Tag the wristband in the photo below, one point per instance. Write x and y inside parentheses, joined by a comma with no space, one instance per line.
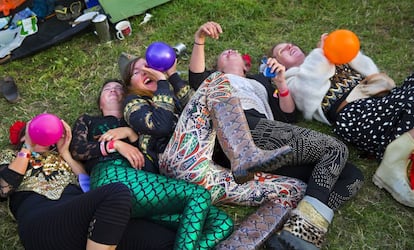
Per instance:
(196,43)
(284,93)
(111,147)
(23,155)
(103,149)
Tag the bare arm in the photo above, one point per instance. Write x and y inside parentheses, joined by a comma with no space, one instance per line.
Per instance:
(286,102)
(63,148)
(197,60)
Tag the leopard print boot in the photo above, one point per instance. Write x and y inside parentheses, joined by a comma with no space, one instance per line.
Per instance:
(305,230)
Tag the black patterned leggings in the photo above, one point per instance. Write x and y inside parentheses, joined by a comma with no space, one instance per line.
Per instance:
(320,159)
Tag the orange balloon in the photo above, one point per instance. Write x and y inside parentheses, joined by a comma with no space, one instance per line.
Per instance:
(341,46)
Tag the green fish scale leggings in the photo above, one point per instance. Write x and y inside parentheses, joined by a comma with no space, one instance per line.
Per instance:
(175,203)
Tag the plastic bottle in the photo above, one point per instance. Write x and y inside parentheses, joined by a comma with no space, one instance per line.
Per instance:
(267,71)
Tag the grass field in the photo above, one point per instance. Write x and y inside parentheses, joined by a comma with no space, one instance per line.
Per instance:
(65,79)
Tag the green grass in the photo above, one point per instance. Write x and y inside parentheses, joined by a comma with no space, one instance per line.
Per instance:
(65,79)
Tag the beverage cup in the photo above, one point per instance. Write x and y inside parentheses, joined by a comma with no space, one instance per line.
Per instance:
(123,29)
(179,49)
(102,28)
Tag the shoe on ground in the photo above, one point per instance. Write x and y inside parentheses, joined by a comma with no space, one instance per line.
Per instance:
(9,89)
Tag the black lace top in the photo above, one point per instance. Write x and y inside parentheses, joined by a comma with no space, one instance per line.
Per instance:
(85,146)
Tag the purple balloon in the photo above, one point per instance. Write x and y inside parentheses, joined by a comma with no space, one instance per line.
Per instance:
(45,129)
(160,56)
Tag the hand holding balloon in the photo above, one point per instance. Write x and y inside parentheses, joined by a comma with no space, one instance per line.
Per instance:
(64,142)
(341,46)
(160,56)
(45,129)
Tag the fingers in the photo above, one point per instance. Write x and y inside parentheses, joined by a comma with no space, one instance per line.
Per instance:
(322,40)
(136,160)
(154,74)
(108,136)
(365,81)
(212,29)
(68,131)
(275,65)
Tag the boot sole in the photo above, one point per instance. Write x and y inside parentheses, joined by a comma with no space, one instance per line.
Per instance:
(282,159)
(382,185)
(242,176)
(291,242)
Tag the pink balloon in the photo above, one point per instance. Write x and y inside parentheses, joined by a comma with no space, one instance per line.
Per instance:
(45,129)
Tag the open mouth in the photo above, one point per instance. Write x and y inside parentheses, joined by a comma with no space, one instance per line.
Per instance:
(147,81)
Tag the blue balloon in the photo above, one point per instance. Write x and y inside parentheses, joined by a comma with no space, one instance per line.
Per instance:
(160,56)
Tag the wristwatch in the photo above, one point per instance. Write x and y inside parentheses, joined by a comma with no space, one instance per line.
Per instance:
(23,155)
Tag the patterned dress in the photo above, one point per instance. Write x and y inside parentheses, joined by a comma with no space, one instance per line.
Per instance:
(372,123)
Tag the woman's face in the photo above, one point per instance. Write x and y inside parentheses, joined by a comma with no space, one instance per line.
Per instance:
(230,58)
(140,80)
(288,54)
(111,93)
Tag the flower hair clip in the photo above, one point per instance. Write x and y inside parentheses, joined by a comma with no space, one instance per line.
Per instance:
(247,59)
(15,130)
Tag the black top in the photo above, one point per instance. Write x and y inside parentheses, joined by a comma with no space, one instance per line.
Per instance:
(85,146)
(154,118)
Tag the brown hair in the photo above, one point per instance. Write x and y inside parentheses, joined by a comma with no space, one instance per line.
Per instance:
(270,52)
(128,74)
(103,86)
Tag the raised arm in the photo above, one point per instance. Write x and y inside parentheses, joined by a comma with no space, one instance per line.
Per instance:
(197,61)
(286,103)
(63,148)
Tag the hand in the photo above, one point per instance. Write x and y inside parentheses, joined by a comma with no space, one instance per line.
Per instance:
(321,42)
(131,153)
(279,80)
(154,74)
(211,29)
(375,84)
(118,134)
(27,139)
(172,70)
(64,142)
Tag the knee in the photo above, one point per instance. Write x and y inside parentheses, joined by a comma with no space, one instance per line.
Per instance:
(119,192)
(340,147)
(203,194)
